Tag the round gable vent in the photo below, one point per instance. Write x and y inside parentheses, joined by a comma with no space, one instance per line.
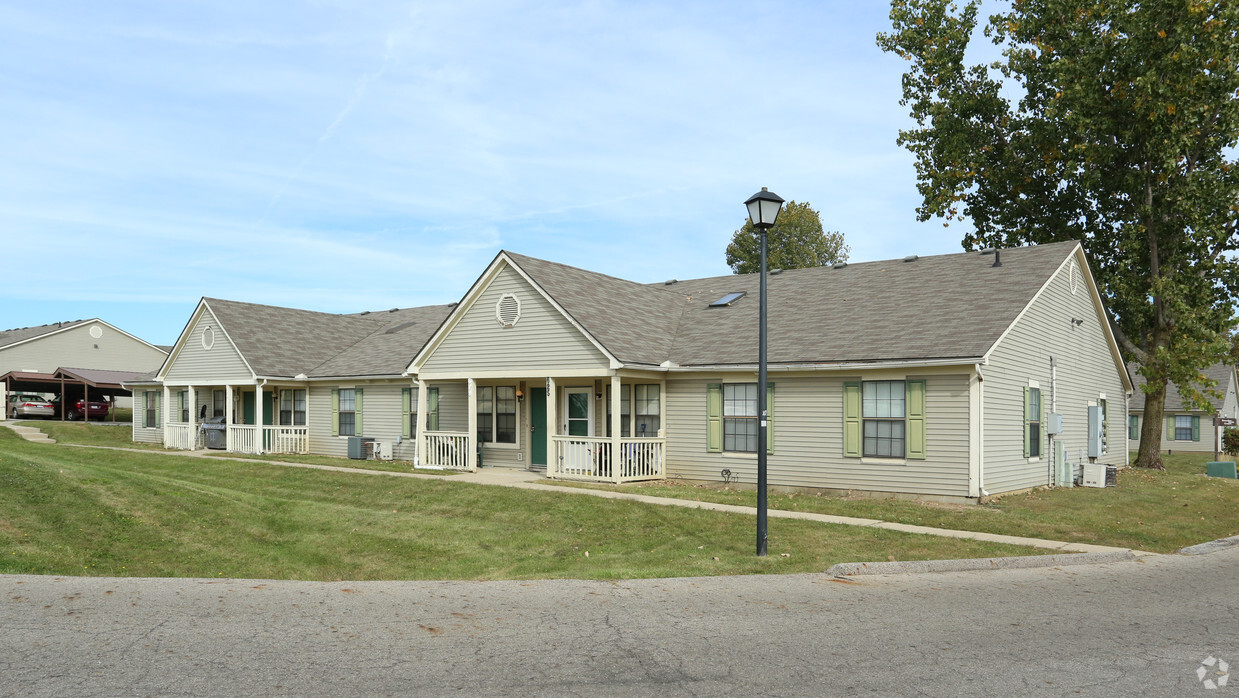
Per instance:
(508,310)
(96,331)
(208,337)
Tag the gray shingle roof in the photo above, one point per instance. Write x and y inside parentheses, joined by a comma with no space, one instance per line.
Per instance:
(1174,402)
(22,334)
(940,307)
(288,342)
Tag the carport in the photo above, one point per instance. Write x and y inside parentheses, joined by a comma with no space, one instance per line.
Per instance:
(71,385)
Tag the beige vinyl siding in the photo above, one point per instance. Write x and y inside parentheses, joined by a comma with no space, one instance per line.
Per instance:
(542,340)
(75,348)
(808,435)
(197,365)
(1086,369)
(143,434)
(382,411)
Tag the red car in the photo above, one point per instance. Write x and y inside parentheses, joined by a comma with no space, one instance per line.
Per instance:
(98,409)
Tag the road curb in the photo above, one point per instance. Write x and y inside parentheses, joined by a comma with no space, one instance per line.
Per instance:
(849,569)
(1210,547)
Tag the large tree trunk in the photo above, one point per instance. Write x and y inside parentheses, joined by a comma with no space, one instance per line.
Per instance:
(1150,455)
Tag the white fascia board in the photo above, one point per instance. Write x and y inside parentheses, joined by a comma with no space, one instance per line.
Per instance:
(479,287)
(839,366)
(514,374)
(457,313)
(352,379)
(180,341)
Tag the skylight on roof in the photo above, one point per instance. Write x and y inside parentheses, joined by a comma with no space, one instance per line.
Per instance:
(728,299)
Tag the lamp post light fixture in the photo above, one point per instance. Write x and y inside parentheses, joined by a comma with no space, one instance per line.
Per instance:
(764,207)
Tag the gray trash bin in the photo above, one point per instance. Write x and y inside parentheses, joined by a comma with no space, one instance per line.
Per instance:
(215,433)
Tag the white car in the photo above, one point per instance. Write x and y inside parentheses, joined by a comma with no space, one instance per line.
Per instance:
(27,405)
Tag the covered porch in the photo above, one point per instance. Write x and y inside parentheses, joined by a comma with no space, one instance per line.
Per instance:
(257,418)
(589,428)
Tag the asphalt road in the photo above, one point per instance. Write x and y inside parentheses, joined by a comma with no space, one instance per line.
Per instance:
(1129,628)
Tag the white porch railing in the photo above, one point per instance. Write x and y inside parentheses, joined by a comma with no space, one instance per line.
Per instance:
(591,458)
(244,438)
(447,449)
(285,439)
(180,435)
(580,458)
(642,459)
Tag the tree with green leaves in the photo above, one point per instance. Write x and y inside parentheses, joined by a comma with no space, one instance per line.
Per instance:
(797,240)
(1111,122)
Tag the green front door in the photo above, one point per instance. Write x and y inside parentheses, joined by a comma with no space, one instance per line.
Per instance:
(538,434)
(268,408)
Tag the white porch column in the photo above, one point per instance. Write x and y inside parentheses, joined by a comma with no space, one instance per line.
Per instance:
(258,421)
(423,404)
(472,455)
(228,418)
(165,408)
(552,428)
(616,452)
(662,409)
(192,397)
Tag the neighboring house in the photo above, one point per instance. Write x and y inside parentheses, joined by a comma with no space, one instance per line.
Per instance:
(931,375)
(32,357)
(1186,429)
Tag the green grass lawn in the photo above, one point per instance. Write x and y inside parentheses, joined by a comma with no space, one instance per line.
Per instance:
(1151,511)
(99,512)
(89,434)
(395,466)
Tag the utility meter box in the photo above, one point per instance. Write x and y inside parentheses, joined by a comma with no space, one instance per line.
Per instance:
(1054,423)
(1094,431)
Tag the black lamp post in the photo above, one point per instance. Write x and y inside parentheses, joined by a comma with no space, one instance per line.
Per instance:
(764,207)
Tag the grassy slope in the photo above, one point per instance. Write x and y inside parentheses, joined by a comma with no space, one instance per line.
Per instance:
(1153,511)
(99,512)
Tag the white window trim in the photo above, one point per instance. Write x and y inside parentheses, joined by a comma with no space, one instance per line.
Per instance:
(494,427)
(877,460)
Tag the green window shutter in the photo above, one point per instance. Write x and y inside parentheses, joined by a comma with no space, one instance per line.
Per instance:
(1195,427)
(714,418)
(769,417)
(142,397)
(1027,428)
(851,420)
(432,406)
(357,429)
(158,408)
(1169,435)
(335,411)
(916,419)
(405,395)
(1133,427)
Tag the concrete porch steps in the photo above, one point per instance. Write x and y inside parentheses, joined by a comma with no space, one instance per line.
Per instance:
(30,433)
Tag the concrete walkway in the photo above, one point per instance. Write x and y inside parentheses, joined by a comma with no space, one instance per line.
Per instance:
(527,480)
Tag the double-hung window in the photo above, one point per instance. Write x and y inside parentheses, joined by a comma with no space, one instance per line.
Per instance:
(740,417)
(292,407)
(152,408)
(1183,427)
(182,399)
(217,407)
(625,411)
(883,413)
(1032,423)
(649,413)
(497,414)
(348,411)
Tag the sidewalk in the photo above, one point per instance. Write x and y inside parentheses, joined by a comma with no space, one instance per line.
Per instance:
(527,480)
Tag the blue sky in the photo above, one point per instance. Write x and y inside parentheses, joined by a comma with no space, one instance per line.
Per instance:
(344,156)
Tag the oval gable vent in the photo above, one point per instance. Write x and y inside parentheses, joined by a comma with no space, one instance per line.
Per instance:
(508,310)
(208,338)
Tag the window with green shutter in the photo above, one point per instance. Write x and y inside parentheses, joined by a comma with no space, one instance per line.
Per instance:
(408,408)
(1032,422)
(885,419)
(732,421)
(432,409)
